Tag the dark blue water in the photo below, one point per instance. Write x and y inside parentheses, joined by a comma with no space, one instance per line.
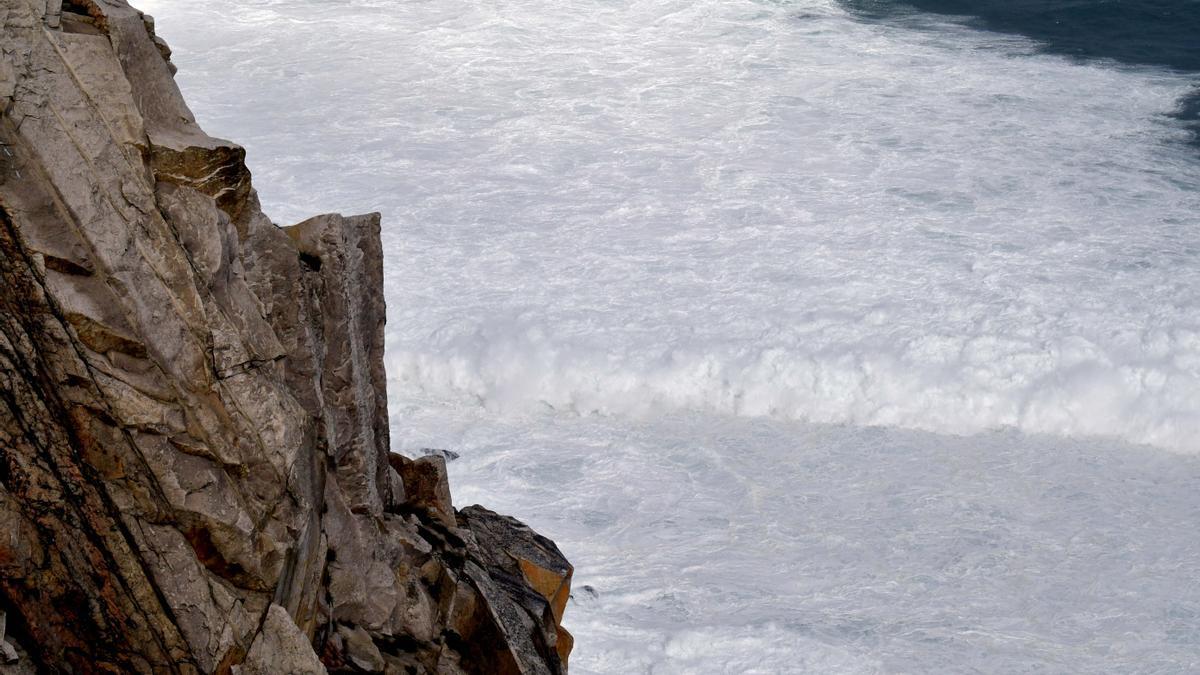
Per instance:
(1164,33)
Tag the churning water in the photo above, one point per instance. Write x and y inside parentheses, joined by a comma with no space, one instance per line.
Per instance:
(822,337)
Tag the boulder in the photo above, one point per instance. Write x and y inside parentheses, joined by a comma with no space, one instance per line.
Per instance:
(426,485)
(518,560)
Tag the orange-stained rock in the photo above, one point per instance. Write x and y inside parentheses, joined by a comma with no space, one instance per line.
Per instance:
(510,550)
(552,584)
(566,642)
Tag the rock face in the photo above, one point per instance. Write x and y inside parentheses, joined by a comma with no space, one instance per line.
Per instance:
(194,465)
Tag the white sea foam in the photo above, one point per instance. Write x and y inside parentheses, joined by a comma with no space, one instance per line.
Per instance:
(640,252)
(721,545)
(741,208)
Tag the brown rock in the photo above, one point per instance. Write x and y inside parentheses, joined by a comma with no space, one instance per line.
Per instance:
(426,485)
(194,466)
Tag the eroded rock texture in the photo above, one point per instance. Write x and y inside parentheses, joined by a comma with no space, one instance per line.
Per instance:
(194,464)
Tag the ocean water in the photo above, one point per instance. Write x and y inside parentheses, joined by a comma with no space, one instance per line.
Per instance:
(1162,33)
(822,337)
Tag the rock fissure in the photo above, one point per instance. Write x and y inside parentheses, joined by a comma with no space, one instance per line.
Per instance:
(96,399)
(73,491)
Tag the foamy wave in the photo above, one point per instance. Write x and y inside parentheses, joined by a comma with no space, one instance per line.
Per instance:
(956,385)
(751,208)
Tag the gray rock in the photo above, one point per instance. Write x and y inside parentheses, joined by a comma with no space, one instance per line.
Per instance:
(279,647)
(360,649)
(8,653)
(448,455)
(53,13)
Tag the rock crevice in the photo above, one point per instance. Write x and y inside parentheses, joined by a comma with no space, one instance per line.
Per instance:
(195,472)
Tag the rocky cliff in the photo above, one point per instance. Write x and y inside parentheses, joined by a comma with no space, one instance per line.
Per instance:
(195,473)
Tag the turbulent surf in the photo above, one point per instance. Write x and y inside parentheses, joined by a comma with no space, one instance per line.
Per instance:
(822,337)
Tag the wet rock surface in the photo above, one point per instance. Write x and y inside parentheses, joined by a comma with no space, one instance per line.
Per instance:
(194,462)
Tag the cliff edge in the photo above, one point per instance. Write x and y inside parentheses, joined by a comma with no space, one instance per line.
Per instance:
(195,472)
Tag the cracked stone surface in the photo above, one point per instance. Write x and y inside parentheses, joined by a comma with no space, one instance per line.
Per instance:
(194,462)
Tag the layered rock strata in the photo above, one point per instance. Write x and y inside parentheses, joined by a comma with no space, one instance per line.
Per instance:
(195,473)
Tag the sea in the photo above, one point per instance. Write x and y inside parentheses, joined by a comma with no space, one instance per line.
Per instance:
(823,337)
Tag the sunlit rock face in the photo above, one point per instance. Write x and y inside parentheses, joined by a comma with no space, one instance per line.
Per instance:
(194,457)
